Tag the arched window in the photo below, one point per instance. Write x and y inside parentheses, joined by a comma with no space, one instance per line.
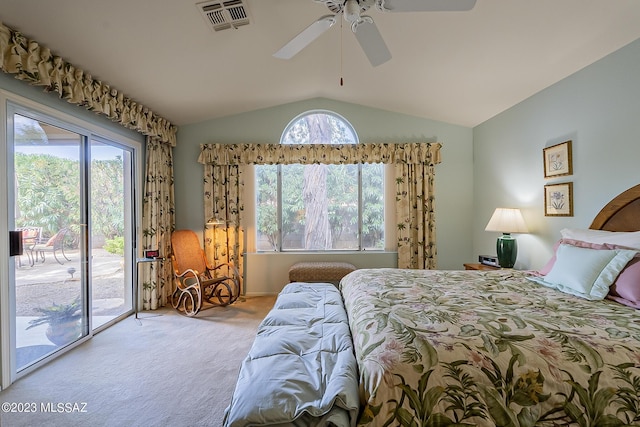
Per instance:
(320,207)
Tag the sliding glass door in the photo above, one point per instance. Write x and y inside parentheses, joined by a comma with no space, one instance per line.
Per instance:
(50,277)
(111,222)
(72,200)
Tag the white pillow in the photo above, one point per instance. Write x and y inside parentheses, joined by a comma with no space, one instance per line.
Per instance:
(584,272)
(628,239)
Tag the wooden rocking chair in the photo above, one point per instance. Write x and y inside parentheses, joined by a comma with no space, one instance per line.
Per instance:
(197,281)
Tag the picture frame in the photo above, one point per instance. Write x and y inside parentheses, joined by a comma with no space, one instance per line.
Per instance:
(558,199)
(558,160)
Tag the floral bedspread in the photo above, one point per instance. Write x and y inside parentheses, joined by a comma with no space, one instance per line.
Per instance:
(489,348)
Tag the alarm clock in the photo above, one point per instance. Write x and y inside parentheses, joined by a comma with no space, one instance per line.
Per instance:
(152,253)
(489,260)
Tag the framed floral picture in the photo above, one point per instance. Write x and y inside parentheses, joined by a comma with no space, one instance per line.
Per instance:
(557,160)
(558,199)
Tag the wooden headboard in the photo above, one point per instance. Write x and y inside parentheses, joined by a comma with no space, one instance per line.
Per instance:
(620,214)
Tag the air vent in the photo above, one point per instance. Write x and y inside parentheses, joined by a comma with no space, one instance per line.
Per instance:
(224,14)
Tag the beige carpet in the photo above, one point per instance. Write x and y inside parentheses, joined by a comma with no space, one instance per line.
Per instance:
(167,370)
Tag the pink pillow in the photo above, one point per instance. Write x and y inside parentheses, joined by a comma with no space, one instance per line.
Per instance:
(549,265)
(626,288)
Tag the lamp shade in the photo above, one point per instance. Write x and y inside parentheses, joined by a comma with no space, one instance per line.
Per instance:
(506,220)
(215,221)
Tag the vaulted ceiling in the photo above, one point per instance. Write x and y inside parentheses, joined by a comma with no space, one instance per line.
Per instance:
(457,67)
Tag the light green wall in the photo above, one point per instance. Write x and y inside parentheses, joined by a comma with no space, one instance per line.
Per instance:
(453,176)
(598,108)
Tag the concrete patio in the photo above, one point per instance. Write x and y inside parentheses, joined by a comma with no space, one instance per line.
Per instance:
(49,282)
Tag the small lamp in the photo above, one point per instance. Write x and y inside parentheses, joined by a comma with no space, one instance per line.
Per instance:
(214,224)
(507,221)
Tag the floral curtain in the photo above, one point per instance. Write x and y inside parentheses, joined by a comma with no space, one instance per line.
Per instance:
(260,154)
(414,179)
(158,223)
(415,215)
(224,241)
(38,66)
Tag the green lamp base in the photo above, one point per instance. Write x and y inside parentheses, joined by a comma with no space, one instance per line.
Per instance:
(507,249)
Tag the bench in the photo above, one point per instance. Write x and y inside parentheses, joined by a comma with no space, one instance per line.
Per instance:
(320,271)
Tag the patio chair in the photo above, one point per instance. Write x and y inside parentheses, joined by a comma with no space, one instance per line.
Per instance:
(55,245)
(30,237)
(196,281)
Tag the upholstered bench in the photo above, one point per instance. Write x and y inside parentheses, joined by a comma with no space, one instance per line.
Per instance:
(320,271)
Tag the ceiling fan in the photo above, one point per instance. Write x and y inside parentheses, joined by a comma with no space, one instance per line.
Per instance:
(363,27)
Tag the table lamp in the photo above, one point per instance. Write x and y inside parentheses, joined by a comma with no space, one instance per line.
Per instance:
(507,221)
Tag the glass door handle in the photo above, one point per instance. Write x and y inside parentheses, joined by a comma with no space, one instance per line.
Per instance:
(15,243)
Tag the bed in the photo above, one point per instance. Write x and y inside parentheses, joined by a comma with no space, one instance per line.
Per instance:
(504,347)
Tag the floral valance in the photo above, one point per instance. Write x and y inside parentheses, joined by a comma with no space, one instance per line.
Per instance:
(39,66)
(249,154)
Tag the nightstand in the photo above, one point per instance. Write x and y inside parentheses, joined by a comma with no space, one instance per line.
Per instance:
(478,266)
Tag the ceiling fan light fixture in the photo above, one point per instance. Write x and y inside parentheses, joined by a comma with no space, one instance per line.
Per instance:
(351,11)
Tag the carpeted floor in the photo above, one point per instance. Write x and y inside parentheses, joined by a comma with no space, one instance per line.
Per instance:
(167,370)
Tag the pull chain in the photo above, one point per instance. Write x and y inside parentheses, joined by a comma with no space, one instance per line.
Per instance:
(341,33)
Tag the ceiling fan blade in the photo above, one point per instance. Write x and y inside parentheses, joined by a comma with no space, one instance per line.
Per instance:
(425,5)
(372,43)
(305,38)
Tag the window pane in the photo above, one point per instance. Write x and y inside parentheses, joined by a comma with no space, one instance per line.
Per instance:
(293,212)
(343,206)
(320,207)
(319,128)
(267,207)
(373,206)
